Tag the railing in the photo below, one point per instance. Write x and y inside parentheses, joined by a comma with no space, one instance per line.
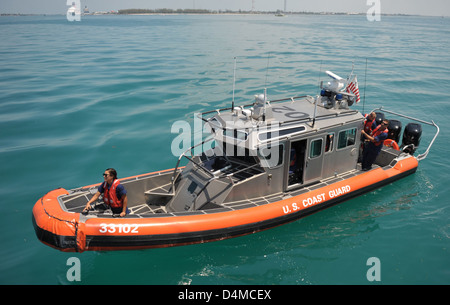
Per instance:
(190,159)
(292,99)
(432,123)
(250,105)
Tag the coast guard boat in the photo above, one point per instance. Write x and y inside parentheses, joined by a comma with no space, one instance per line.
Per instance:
(272,162)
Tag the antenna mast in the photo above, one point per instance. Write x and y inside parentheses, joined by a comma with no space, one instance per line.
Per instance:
(365,78)
(265,89)
(315,102)
(234,82)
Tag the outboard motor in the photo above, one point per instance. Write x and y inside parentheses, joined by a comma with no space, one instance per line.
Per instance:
(395,128)
(411,137)
(380,117)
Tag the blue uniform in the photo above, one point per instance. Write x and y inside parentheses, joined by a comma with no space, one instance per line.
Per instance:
(372,150)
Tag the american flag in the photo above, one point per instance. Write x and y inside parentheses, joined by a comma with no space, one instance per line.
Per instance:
(352,87)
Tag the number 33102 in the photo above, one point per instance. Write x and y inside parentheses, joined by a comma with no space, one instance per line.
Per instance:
(118,228)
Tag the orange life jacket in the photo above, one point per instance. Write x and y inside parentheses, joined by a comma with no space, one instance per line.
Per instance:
(110,195)
(376,132)
(368,124)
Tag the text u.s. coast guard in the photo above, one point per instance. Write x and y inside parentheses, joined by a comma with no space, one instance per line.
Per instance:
(313,200)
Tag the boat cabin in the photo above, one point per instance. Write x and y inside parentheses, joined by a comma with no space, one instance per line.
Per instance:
(297,143)
(268,148)
(257,152)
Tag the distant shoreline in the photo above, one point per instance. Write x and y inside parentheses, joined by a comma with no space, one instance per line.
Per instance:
(230,12)
(148,12)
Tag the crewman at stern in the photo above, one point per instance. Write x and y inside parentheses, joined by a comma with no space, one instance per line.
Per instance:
(372,150)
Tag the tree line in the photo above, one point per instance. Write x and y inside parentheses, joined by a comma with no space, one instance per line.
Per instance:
(164,11)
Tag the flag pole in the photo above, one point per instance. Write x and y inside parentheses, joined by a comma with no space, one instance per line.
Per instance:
(351,74)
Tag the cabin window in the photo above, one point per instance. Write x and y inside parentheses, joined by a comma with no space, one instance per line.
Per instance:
(347,138)
(280,132)
(238,152)
(192,187)
(236,134)
(316,148)
(271,156)
(329,142)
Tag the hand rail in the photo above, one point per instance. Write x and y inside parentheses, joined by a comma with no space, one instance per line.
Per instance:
(184,155)
(424,155)
(173,179)
(252,104)
(432,123)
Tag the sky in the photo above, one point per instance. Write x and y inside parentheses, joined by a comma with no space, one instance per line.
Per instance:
(414,7)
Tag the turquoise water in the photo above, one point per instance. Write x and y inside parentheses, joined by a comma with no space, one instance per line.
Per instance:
(76,98)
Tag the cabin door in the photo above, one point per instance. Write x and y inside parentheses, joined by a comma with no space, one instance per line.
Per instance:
(296,164)
(314,160)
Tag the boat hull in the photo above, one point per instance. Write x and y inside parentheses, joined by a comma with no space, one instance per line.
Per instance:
(70,232)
